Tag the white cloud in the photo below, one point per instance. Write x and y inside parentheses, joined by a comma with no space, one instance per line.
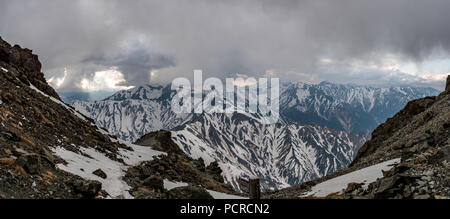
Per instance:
(57,81)
(105,80)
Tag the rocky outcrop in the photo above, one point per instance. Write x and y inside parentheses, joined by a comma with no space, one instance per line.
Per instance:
(146,179)
(447,85)
(154,182)
(421,125)
(374,150)
(161,141)
(420,136)
(100,173)
(27,67)
(87,188)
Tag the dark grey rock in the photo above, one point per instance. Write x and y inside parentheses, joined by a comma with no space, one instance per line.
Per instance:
(87,188)
(31,163)
(154,182)
(447,86)
(100,174)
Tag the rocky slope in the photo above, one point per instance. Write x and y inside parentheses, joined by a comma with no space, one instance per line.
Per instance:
(37,130)
(33,123)
(417,139)
(49,150)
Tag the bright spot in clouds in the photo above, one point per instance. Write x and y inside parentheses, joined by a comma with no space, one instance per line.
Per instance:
(105,80)
(243,80)
(57,82)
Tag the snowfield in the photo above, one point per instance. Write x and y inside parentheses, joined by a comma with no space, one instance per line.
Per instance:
(114,185)
(337,185)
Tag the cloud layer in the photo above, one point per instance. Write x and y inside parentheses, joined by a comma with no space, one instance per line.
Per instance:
(364,41)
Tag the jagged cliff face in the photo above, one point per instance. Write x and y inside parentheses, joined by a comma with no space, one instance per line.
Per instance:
(447,86)
(25,66)
(47,149)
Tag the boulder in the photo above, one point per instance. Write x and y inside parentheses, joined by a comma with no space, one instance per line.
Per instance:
(214,170)
(352,187)
(87,188)
(200,165)
(31,163)
(100,174)
(154,182)
(390,187)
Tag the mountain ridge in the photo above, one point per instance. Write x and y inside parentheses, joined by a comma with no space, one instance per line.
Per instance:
(408,157)
(280,155)
(298,105)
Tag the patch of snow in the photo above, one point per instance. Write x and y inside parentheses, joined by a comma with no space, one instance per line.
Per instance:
(172,185)
(84,166)
(337,185)
(4,69)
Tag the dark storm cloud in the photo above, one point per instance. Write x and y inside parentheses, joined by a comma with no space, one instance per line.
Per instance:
(135,64)
(223,37)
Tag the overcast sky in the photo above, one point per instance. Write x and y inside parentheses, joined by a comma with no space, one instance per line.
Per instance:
(114,44)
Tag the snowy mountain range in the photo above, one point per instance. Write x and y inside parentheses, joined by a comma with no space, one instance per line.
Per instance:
(280,155)
(133,113)
(350,108)
(321,128)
